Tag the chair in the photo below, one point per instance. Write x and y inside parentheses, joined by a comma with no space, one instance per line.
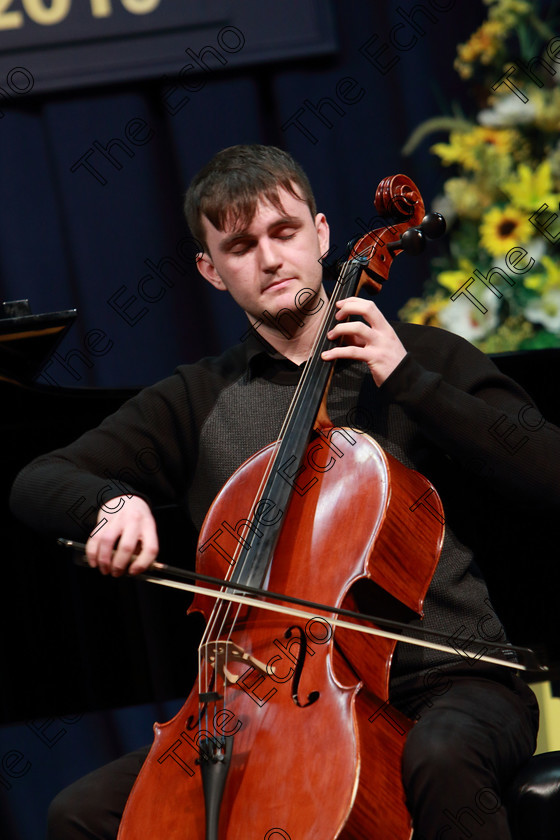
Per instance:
(534,799)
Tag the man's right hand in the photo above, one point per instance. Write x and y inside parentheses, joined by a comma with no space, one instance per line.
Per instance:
(133,525)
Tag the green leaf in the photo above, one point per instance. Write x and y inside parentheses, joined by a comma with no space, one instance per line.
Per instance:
(541,340)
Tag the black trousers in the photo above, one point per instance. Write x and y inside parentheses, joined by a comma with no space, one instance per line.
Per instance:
(458,760)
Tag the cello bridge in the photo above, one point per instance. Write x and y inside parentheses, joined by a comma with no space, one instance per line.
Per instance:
(220,655)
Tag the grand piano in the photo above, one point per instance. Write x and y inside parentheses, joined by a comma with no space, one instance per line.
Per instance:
(71,639)
(74,641)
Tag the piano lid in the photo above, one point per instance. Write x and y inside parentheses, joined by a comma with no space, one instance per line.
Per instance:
(27,340)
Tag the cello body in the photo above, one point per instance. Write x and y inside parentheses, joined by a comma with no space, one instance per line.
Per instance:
(315,747)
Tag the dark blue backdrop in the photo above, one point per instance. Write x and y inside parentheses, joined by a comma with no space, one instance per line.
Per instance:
(84,221)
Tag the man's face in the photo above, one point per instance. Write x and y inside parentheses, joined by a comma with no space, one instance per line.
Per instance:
(264,265)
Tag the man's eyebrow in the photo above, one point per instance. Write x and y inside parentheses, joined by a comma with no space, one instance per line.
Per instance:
(285,220)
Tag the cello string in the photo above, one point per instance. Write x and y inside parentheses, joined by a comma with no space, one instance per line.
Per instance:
(215,626)
(305,382)
(224,609)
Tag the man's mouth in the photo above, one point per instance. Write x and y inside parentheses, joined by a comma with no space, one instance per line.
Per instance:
(278,283)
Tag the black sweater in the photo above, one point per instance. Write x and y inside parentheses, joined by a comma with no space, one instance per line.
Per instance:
(446,411)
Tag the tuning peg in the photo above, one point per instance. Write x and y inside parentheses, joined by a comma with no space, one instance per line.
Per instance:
(433,225)
(412,242)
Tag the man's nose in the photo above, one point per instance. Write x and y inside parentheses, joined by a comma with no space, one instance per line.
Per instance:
(269,255)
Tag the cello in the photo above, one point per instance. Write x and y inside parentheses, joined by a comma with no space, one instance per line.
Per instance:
(288,732)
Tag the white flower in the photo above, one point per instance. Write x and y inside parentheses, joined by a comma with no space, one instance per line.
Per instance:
(443,204)
(507,110)
(546,311)
(464,318)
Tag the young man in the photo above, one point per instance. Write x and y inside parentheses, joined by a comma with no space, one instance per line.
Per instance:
(425,395)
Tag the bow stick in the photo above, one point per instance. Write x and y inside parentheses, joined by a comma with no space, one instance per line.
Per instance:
(162,570)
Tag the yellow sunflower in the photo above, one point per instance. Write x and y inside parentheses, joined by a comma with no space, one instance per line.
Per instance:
(502,229)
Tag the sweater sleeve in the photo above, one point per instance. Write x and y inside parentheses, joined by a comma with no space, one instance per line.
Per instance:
(146,448)
(476,415)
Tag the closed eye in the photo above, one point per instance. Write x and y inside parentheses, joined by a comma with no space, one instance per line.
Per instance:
(286,232)
(241,247)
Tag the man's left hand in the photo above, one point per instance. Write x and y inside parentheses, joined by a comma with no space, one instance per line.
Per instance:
(374,342)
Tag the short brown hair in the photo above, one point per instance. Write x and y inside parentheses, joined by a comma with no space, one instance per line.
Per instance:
(228,188)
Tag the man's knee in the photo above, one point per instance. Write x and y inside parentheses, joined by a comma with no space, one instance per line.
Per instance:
(63,818)
(436,751)
(73,815)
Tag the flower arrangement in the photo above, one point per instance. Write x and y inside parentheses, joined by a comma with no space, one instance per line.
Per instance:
(507,168)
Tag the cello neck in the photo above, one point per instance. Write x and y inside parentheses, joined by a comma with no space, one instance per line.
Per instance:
(266,522)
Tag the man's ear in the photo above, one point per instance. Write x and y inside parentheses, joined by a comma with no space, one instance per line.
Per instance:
(323,232)
(208,270)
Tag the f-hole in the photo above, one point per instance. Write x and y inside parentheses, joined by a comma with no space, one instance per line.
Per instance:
(311,698)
